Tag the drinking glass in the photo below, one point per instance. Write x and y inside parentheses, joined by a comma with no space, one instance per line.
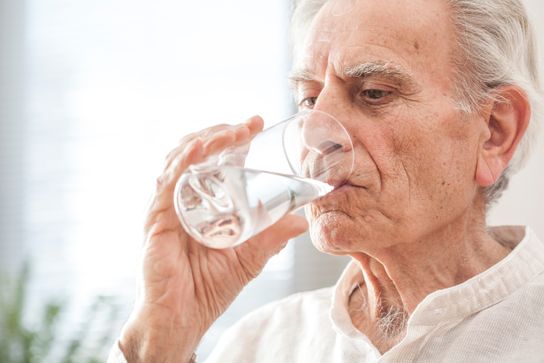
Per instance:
(239,192)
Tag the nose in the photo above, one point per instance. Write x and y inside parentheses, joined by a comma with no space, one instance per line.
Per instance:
(327,148)
(334,100)
(323,133)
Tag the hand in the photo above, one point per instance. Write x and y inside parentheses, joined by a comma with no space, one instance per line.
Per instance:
(187,286)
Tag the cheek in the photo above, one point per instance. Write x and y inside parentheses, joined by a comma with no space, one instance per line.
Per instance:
(383,165)
(439,162)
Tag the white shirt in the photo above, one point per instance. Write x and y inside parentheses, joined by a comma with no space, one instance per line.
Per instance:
(496,316)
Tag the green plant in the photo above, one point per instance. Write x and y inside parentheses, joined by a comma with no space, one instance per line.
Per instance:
(23,342)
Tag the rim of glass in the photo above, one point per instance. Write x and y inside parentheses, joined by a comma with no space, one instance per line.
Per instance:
(310,111)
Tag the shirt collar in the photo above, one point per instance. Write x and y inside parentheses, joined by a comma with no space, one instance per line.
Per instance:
(522,264)
(339,314)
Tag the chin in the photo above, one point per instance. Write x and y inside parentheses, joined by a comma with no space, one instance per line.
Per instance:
(332,233)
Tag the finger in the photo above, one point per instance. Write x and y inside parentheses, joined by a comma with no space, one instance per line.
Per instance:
(254,253)
(181,157)
(235,135)
(255,125)
(163,198)
(242,132)
(203,133)
(219,141)
(173,154)
(184,141)
(193,154)
(166,182)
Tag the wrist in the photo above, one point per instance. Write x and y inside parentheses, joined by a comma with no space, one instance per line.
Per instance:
(145,340)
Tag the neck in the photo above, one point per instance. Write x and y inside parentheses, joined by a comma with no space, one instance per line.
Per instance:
(398,278)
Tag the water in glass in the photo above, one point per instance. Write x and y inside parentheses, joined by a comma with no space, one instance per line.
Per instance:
(226,205)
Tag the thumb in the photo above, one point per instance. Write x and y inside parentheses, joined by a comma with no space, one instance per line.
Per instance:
(254,253)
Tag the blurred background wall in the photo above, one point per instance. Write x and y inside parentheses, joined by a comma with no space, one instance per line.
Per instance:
(93,94)
(523,202)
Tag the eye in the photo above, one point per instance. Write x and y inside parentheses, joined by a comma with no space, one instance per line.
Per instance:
(308,102)
(375,96)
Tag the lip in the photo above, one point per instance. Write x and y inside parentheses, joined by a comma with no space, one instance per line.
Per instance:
(342,188)
(347,184)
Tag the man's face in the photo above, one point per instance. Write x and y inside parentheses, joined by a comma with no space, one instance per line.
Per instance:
(384,69)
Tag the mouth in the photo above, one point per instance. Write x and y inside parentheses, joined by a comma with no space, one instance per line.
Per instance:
(339,189)
(346,184)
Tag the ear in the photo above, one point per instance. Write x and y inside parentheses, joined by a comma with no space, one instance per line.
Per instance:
(507,121)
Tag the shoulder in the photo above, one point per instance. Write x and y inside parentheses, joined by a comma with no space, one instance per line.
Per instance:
(521,313)
(532,292)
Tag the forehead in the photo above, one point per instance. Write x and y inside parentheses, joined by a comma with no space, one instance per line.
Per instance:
(418,35)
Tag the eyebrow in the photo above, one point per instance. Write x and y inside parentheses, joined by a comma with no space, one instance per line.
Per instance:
(381,69)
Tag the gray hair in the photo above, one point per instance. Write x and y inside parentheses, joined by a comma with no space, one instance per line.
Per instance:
(496,47)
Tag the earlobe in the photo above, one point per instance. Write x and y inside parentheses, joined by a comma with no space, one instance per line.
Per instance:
(488,170)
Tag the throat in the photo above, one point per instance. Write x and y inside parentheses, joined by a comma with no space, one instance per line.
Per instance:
(384,324)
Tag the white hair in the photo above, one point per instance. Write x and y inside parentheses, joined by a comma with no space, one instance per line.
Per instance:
(496,46)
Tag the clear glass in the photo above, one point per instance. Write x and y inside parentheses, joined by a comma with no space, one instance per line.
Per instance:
(232,196)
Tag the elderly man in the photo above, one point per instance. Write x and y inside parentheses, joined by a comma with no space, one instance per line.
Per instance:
(439,97)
